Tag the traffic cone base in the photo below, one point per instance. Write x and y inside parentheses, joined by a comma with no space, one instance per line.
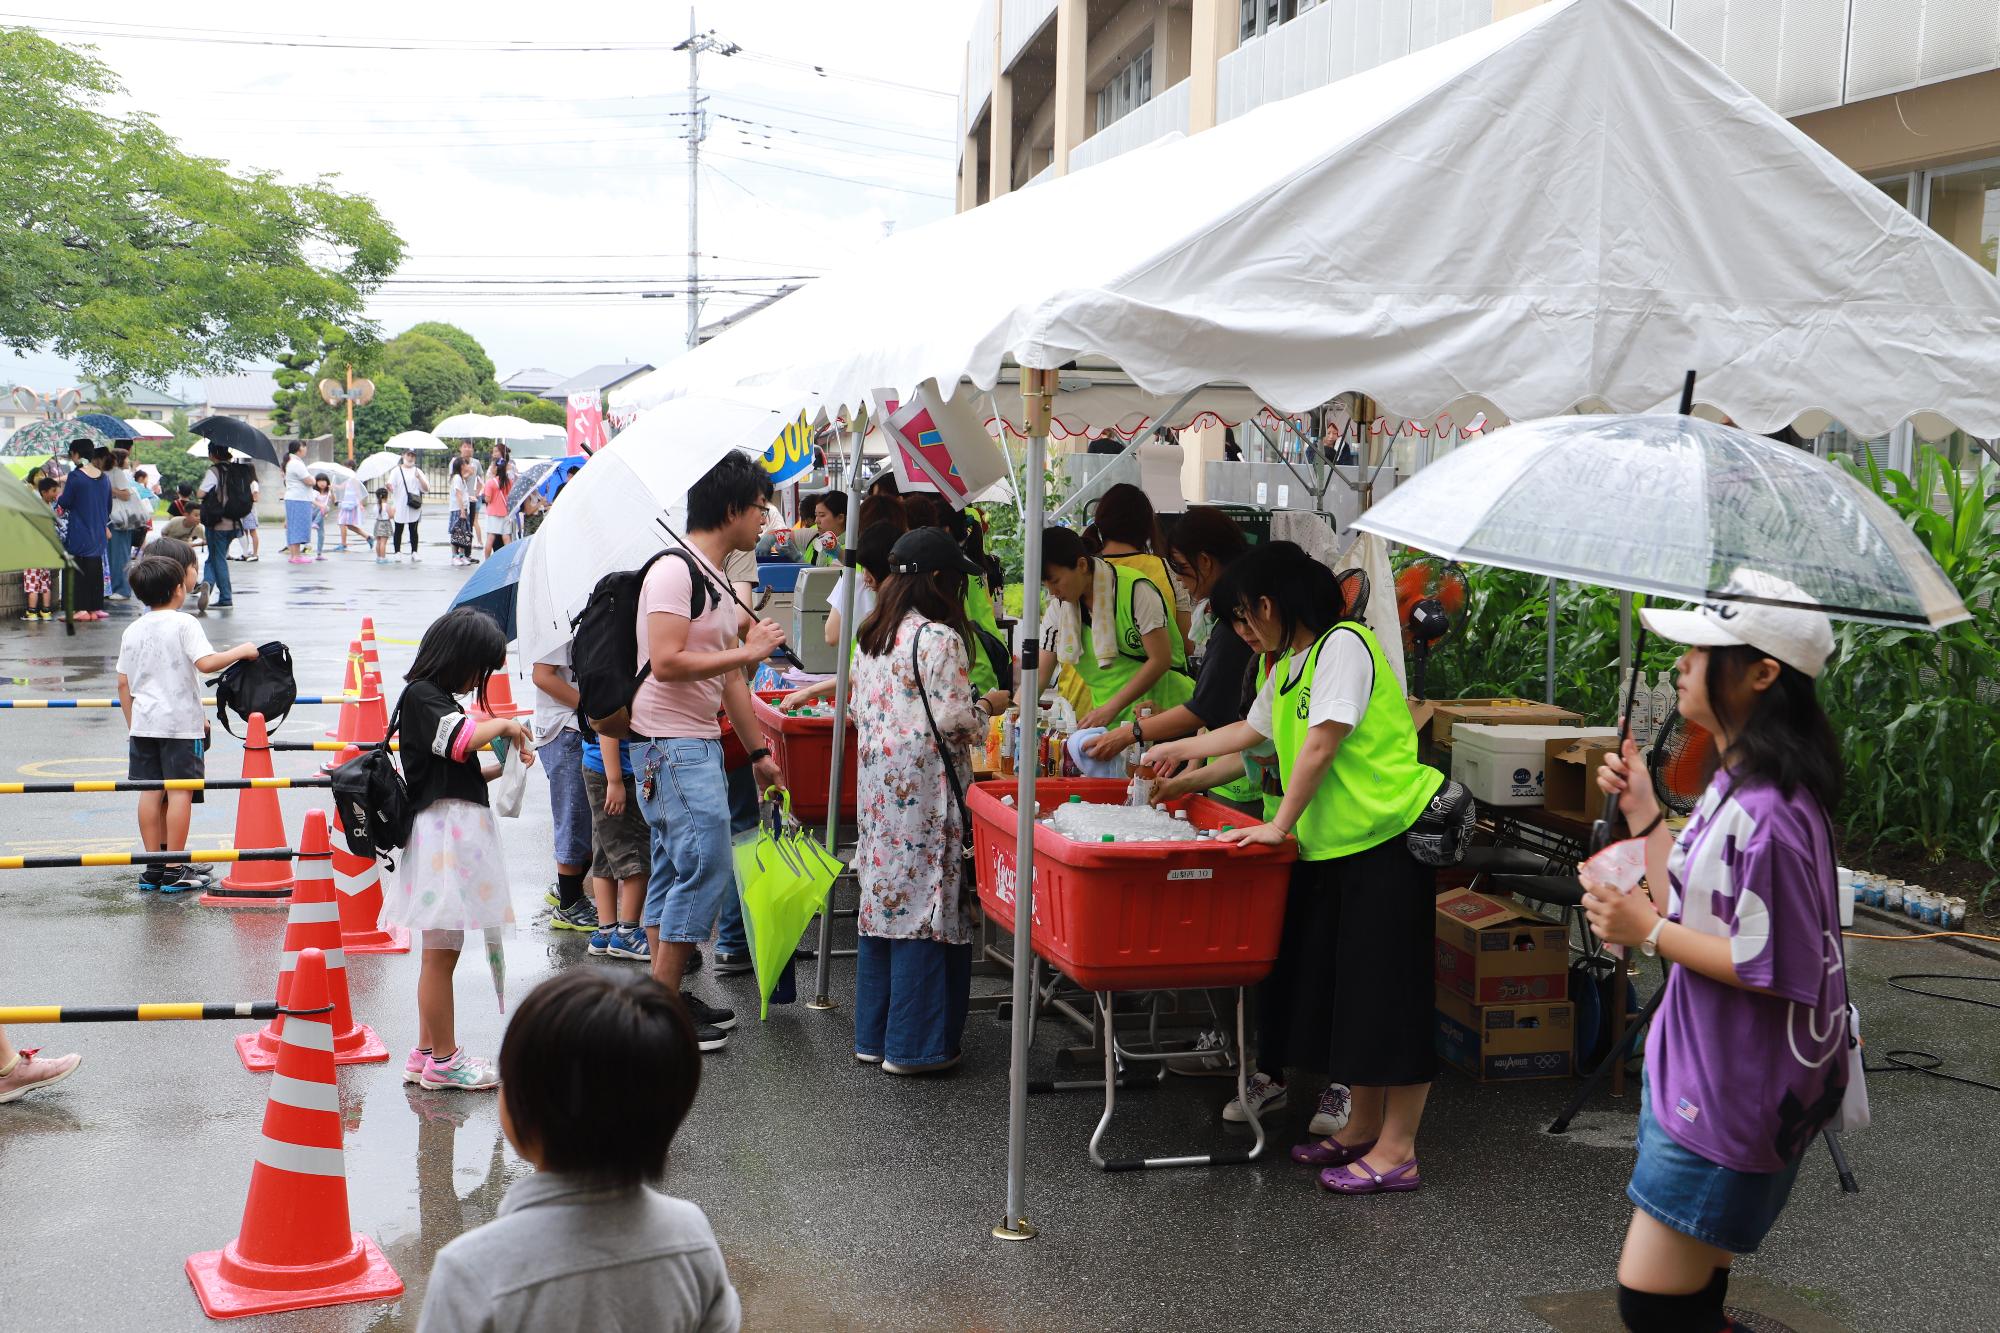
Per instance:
(363,1047)
(259,823)
(297,1247)
(229,1287)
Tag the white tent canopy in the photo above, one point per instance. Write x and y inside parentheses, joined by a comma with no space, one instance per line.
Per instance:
(1566,206)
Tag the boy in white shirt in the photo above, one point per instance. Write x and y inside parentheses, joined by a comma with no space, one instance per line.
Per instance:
(160,660)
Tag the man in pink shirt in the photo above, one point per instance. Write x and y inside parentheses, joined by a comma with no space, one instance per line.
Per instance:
(688,637)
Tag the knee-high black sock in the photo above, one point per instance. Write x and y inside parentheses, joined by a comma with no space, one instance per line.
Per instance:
(569,888)
(1695,1312)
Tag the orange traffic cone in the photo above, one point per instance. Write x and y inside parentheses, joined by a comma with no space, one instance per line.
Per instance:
(297,1248)
(369,661)
(259,823)
(365,723)
(357,884)
(313,924)
(499,696)
(350,685)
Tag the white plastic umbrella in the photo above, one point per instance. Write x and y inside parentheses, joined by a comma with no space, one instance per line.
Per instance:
(199,449)
(148,430)
(414,440)
(616,512)
(517,428)
(338,473)
(464,426)
(1670,506)
(378,465)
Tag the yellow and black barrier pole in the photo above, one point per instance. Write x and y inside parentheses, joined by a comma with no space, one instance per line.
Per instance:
(91,859)
(89,786)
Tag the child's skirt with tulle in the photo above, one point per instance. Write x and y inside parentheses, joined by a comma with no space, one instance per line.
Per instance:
(453,874)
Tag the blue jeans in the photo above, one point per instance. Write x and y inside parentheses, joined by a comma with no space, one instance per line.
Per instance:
(218,540)
(561,757)
(680,788)
(910,999)
(730,936)
(117,558)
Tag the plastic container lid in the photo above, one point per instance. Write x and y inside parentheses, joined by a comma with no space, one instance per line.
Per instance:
(1076,800)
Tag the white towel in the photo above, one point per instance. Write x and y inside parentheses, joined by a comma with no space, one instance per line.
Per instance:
(1069,618)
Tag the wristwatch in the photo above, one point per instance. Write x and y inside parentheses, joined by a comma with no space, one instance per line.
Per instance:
(1138,732)
(1651,945)
(761,752)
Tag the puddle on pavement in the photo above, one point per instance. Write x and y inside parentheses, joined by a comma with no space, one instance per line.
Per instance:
(1756,1306)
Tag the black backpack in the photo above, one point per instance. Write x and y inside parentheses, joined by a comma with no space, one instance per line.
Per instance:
(264,684)
(372,800)
(604,644)
(230,498)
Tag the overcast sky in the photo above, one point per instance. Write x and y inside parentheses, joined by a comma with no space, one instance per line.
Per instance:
(559,165)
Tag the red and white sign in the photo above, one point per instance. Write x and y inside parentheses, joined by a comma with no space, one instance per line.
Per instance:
(586,422)
(941,446)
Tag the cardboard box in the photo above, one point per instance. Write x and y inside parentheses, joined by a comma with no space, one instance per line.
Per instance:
(1446,714)
(1570,787)
(1498,1043)
(1504,764)
(1492,952)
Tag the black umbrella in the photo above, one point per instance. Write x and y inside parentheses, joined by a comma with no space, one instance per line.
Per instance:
(238,435)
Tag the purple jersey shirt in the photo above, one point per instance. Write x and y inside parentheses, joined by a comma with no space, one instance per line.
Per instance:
(1741,1078)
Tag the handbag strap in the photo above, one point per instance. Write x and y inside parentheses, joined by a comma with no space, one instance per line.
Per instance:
(937,736)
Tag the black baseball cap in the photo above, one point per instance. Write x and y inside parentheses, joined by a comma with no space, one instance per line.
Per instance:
(928,551)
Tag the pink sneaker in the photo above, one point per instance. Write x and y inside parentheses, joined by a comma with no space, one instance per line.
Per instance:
(30,1071)
(413,1068)
(461,1072)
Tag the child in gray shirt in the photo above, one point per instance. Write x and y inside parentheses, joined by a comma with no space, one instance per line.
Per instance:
(597,1071)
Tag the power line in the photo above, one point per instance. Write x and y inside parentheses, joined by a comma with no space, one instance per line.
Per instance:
(845,180)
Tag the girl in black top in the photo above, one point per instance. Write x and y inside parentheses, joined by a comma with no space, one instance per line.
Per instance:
(451,877)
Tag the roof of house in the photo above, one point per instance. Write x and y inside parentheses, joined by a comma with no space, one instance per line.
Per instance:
(533,379)
(600,378)
(140,395)
(251,391)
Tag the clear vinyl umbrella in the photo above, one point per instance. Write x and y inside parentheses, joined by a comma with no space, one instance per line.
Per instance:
(1669,506)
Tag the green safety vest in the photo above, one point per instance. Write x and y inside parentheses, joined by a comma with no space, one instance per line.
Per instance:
(1169,691)
(1251,786)
(979,612)
(1375,788)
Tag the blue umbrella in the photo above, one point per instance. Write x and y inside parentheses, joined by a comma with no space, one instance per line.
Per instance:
(112,427)
(559,475)
(492,586)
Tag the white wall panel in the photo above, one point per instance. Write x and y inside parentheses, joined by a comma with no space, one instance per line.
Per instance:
(1020,20)
(1898,44)
(1790,53)
(1165,114)
(979,64)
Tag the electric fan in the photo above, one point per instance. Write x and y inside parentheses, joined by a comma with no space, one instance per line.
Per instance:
(1680,761)
(1430,604)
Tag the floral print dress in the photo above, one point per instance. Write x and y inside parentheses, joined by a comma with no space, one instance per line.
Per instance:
(907,853)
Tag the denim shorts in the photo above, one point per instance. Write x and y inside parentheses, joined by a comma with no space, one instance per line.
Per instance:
(1716,1205)
(561,757)
(685,799)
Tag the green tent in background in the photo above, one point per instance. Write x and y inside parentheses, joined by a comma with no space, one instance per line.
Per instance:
(28,536)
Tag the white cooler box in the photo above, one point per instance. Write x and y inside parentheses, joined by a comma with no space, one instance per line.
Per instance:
(1502,763)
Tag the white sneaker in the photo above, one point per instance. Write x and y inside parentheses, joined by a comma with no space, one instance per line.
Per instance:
(1335,1105)
(1210,1058)
(1264,1093)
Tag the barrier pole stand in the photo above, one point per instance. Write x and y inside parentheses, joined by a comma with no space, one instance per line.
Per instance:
(850,584)
(1037,402)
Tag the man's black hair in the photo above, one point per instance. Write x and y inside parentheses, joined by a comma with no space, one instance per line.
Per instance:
(155,579)
(599,1068)
(734,484)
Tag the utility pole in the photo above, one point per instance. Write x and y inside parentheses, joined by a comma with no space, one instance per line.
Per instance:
(697,44)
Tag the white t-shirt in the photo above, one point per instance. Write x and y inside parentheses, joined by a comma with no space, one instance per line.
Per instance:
(551,714)
(157,656)
(298,480)
(864,600)
(1341,684)
(404,483)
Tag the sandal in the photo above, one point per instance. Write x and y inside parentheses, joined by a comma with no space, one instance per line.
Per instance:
(1396,1180)
(1329,1152)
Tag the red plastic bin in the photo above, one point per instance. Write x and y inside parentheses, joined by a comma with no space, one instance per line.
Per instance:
(803,747)
(1138,916)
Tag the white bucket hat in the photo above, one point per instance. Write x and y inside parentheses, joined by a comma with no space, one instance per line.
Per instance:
(1793,632)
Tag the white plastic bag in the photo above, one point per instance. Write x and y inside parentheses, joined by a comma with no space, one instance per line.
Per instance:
(506,791)
(1853,1113)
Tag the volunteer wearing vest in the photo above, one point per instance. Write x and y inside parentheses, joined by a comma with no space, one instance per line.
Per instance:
(1134,660)
(1129,534)
(829,515)
(1351,989)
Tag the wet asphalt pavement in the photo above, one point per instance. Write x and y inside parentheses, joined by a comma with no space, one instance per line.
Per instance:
(844,1198)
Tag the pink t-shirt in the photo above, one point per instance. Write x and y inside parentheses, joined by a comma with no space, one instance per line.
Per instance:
(665,708)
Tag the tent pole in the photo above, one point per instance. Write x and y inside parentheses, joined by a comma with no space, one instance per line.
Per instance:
(840,697)
(1090,487)
(1551,647)
(1624,634)
(1038,389)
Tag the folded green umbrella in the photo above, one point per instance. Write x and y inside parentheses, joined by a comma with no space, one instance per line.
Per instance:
(27,528)
(783,877)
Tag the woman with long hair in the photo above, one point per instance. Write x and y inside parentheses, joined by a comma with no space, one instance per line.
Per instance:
(1113,633)
(1747,1056)
(496,523)
(1351,991)
(464,497)
(880,515)
(1128,533)
(914,712)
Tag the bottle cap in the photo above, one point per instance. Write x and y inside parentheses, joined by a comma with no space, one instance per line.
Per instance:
(1076,800)
(1107,838)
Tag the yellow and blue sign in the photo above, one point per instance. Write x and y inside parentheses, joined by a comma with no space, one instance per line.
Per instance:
(791,454)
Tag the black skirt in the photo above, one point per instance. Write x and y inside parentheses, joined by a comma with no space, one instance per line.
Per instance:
(1385,907)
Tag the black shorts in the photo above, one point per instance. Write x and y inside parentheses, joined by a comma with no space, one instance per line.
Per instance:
(153,758)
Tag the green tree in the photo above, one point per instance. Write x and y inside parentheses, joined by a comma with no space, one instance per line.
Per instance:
(388,414)
(434,374)
(530,408)
(465,345)
(297,387)
(138,261)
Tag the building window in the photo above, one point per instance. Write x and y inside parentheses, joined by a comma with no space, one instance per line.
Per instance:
(1257,17)
(1964,208)
(1129,89)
